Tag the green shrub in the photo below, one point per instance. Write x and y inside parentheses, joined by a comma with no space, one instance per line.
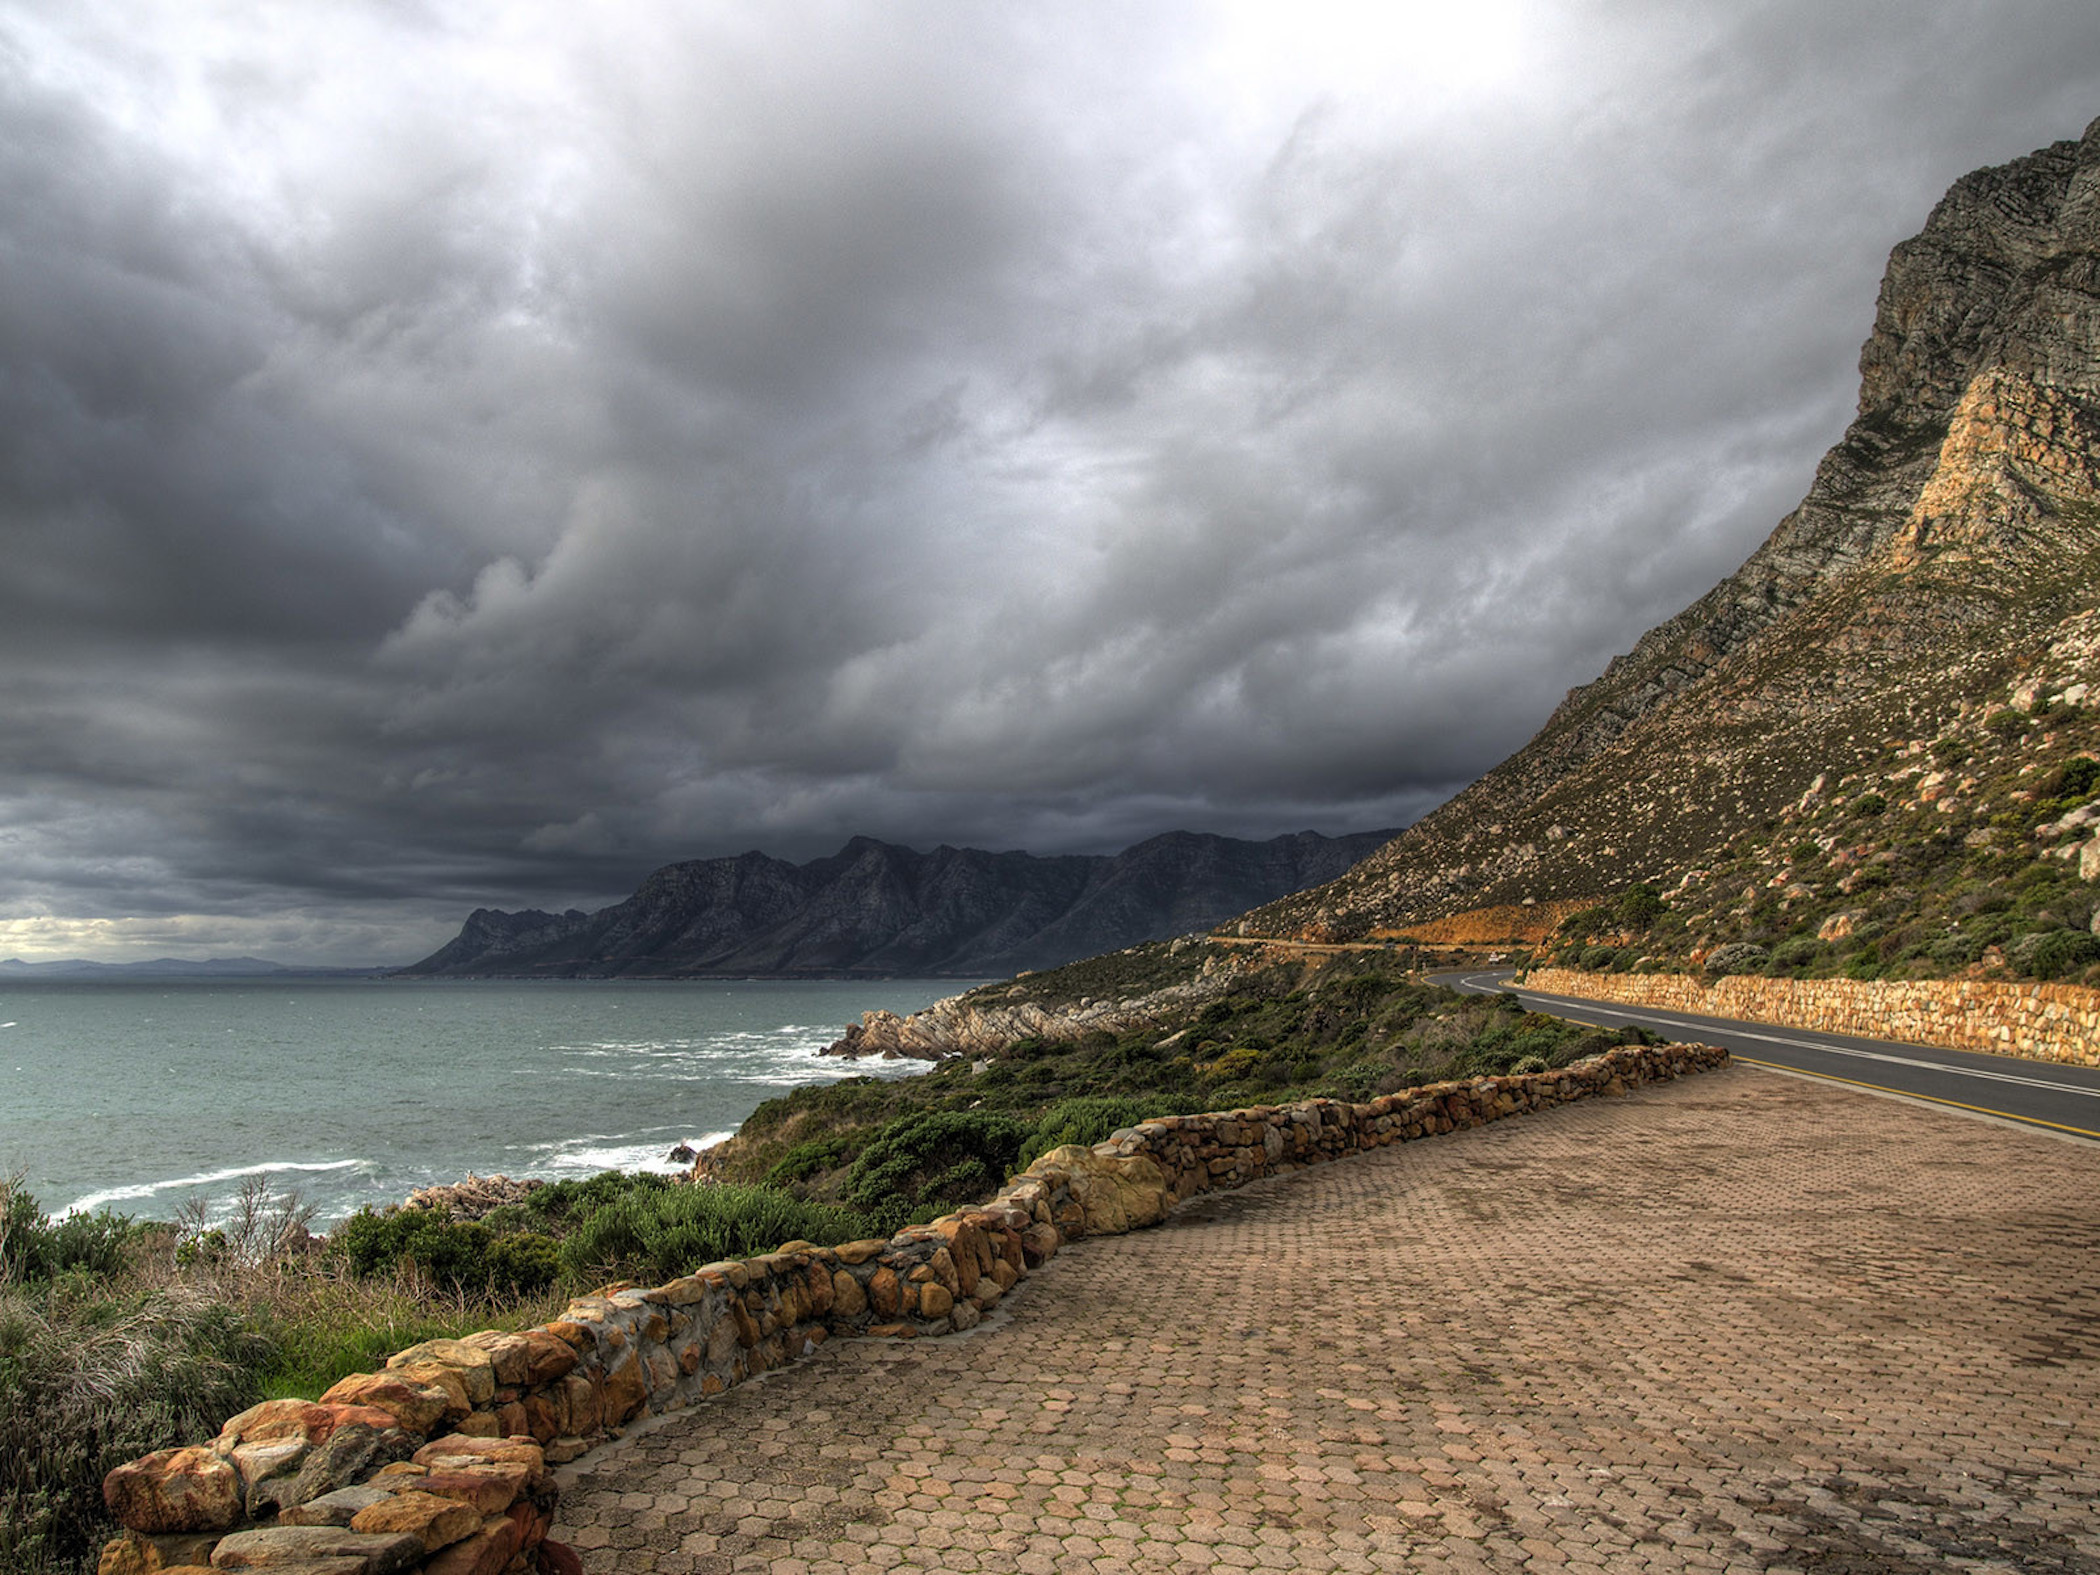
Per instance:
(1639,906)
(36,1248)
(2051,954)
(1956,950)
(817,1155)
(935,1157)
(1868,805)
(658,1234)
(2076,781)
(1091,1118)
(1801,952)
(1737,957)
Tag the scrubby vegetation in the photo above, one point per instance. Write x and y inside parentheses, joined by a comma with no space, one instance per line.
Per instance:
(1957,856)
(119,1336)
(1274,1030)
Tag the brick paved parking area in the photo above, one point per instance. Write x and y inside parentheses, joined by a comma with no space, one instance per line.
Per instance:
(1740,1322)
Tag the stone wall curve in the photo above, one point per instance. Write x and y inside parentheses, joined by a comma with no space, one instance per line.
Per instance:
(438,1462)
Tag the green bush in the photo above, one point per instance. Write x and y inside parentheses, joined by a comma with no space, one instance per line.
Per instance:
(658,1234)
(1868,805)
(935,1157)
(1090,1119)
(36,1248)
(817,1155)
(1801,952)
(1956,950)
(447,1251)
(1639,906)
(2076,781)
(2051,954)
(1738,957)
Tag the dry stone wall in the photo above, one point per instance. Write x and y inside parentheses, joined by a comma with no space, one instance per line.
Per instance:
(2045,1022)
(438,1463)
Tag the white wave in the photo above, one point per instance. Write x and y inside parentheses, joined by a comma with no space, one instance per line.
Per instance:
(146,1189)
(590,1155)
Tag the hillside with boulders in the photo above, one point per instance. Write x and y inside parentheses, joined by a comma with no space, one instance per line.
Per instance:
(1918,634)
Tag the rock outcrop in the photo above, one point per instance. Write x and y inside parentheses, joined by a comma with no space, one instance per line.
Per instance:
(875,908)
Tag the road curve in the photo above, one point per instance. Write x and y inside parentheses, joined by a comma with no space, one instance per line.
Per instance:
(2033,1093)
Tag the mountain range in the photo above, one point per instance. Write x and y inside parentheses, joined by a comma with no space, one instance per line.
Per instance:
(877,908)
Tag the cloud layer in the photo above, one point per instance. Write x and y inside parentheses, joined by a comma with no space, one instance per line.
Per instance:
(460,453)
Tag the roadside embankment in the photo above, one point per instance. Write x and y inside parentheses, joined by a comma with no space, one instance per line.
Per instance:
(2043,1022)
(438,1463)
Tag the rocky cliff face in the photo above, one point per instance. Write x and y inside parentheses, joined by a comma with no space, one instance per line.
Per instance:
(1955,524)
(877,908)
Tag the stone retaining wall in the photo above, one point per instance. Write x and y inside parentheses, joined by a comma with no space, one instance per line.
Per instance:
(438,1463)
(2045,1022)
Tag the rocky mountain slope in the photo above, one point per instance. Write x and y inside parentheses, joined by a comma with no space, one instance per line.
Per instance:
(1872,749)
(1943,542)
(874,907)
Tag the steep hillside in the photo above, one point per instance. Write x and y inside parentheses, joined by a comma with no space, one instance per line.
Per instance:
(874,907)
(1942,542)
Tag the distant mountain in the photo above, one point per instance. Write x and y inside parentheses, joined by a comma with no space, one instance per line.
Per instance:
(163,968)
(876,908)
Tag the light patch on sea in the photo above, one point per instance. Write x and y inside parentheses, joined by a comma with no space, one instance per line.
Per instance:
(145,1098)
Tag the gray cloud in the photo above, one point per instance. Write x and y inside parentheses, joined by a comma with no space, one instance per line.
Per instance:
(457,455)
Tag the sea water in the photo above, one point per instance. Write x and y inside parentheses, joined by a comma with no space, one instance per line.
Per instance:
(140,1097)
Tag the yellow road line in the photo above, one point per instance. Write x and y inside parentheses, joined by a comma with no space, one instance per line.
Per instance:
(1883,1088)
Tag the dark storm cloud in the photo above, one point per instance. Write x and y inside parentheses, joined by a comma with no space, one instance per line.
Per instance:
(472,453)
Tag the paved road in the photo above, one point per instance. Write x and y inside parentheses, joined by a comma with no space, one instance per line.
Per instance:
(2033,1093)
(1738,1322)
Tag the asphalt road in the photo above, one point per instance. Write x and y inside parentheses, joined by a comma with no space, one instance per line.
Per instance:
(2032,1093)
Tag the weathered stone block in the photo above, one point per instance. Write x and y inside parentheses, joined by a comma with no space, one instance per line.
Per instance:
(175,1490)
(274,1547)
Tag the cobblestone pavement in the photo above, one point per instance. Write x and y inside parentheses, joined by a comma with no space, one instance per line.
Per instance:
(1739,1322)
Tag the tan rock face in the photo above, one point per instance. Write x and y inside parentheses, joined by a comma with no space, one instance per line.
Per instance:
(626,1386)
(135,1554)
(415,1408)
(490,1486)
(435,1522)
(487,1552)
(473,1366)
(175,1490)
(935,1300)
(885,1293)
(1113,1193)
(456,1452)
(848,1300)
(275,1547)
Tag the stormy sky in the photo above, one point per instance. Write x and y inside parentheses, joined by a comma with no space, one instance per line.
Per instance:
(459,454)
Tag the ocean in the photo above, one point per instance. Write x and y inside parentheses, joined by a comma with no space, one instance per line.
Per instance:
(139,1097)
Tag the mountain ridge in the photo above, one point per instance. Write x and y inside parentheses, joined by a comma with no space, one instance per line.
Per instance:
(879,908)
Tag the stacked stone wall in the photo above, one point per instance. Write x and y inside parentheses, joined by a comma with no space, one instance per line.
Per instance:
(438,1462)
(2044,1022)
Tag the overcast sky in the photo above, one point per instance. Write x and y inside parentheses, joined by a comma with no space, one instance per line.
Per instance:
(470,454)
